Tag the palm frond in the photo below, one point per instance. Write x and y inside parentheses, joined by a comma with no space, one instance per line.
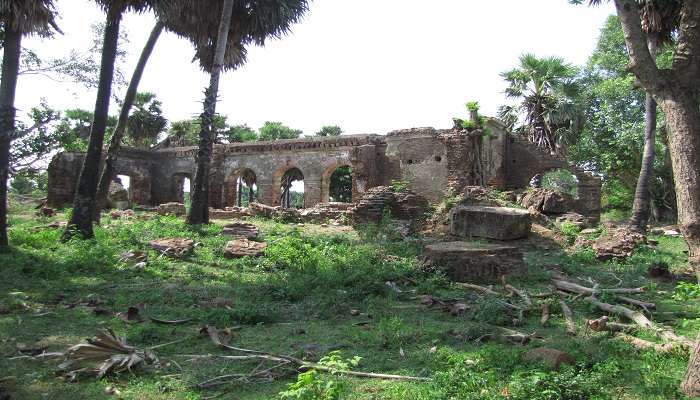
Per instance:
(29,16)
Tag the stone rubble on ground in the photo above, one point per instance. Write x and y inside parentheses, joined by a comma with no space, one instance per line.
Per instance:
(244,247)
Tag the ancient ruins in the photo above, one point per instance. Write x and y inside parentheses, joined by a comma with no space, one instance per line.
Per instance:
(433,163)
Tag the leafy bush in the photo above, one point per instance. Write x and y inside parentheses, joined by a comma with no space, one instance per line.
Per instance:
(570,230)
(686,291)
(314,385)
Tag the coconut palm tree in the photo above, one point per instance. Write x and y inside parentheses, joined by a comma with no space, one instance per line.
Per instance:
(546,93)
(84,201)
(17,18)
(115,143)
(202,22)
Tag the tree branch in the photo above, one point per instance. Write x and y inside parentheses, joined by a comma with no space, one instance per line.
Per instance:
(642,64)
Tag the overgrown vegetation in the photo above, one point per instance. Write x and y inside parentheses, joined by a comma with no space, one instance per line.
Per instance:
(299,299)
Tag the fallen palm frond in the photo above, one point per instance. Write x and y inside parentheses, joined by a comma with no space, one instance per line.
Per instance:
(103,354)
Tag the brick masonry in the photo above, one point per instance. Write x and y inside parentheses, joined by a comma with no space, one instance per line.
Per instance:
(434,163)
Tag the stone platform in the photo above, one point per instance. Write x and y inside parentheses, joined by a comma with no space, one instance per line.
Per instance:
(474,262)
(500,223)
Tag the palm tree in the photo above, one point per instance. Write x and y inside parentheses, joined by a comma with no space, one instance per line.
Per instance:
(115,143)
(547,108)
(18,18)
(84,201)
(201,22)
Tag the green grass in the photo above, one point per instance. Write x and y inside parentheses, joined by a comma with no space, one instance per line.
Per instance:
(297,300)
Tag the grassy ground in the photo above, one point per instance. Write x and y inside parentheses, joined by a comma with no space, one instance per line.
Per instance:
(297,300)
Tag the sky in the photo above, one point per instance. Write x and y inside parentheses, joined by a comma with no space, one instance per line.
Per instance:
(369,66)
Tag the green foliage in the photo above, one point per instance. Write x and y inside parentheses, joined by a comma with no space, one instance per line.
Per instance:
(561,180)
(570,230)
(546,97)
(146,121)
(29,181)
(330,130)
(399,186)
(612,140)
(240,133)
(341,185)
(36,140)
(473,106)
(272,130)
(186,132)
(315,385)
(73,130)
(686,291)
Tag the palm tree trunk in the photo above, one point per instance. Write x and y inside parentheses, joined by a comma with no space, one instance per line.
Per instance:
(115,143)
(84,200)
(642,195)
(10,71)
(199,209)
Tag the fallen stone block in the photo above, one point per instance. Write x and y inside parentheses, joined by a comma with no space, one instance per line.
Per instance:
(242,230)
(174,247)
(499,223)
(177,209)
(617,244)
(261,210)
(471,261)
(244,247)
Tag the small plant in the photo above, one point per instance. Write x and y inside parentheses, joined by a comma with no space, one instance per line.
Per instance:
(469,125)
(313,385)
(399,186)
(473,106)
(570,230)
(686,291)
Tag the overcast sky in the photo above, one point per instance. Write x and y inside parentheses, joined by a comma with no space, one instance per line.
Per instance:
(370,66)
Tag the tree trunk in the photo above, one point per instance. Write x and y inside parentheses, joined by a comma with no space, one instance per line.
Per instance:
(10,70)
(199,209)
(691,382)
(642,196)
(84,200)
(115,144)
(683,118)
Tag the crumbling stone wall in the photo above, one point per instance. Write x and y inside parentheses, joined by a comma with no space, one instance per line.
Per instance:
(434,163)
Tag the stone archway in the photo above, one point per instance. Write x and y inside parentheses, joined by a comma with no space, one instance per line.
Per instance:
(181,182)
(328,178)
(291,187)
(241,188)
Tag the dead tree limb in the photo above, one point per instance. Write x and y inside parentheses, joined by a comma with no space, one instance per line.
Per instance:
(603,324)
(576,288)
(545,315)
(480,289)
(520,293)
(568,317)
(639,303)
(641,320)
(645,344)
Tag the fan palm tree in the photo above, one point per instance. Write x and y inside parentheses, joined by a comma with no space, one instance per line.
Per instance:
(546,94)
(218,49)
(116,141)
(18,18)
(84,201)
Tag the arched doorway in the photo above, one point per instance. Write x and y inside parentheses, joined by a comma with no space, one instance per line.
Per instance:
(241,188)
(182,188)
(558,180)
(340,185)
(292,189)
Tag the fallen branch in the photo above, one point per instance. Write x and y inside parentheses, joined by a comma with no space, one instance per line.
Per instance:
(481,289)
(603,324)
(645,344)
(641,320)
(301,365)
(639,303)
(520,293)
(568,317)
(545,315)
(576,288)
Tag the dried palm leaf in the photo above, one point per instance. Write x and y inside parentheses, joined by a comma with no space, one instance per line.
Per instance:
(103,354)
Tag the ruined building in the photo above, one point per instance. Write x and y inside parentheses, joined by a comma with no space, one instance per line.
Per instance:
(433,163)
